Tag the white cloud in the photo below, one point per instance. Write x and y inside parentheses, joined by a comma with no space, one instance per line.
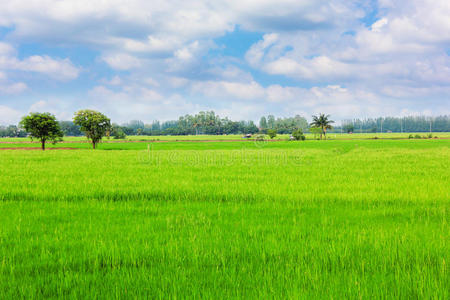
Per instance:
(9,115)
(13,88)
(60,108)
(227,90)
(116,80)
(59,69)
(378,25)
(139,102)
(122,61)
(7,87)
(337,62)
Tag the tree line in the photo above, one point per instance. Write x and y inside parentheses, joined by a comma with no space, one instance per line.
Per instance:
(397,124)
(210,123)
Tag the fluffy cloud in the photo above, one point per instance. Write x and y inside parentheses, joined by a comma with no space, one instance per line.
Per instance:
(59,69)
(9,115)
(163,58)
(7,87)
(138,102)
(121,61)
(405,44)
(13,88)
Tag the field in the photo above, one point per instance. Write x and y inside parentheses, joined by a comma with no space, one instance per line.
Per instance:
(342,218)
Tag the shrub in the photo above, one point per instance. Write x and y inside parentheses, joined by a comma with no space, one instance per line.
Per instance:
(410,136)
(417,136)
(272,133)
(298,135)
(260,137)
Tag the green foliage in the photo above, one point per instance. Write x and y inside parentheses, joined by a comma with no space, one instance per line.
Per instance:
(282,125)
(117,132)
(316,131)
(402,124)
(42,126)
(272,133)
(323,122)
(12,131)
(94,124)
(298,135)
(70,129)
(260,137)
(349,128)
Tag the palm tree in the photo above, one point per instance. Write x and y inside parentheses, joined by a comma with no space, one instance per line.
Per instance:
(322,122)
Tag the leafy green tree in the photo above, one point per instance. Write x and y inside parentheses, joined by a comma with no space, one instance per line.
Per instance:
(69,128)
(42,126)
(272,133)
(270,122)
(94,124)
(298,135)
(263,123)
(117,132)
(322,121)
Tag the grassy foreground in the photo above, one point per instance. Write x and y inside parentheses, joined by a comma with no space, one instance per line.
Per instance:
(330,219)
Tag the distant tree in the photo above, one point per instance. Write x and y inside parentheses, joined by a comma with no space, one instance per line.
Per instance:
(117,132)
(317,131)
(12,131)
(94,124)
(69,128)
(270,122)
(42,126)
(322,121)
(298,135)
(349,127)
(272,133)
(263,123)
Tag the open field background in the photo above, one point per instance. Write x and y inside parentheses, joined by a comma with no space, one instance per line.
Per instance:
(330,136)
(358,218)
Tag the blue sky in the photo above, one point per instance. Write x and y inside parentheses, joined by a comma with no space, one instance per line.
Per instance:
(160,59)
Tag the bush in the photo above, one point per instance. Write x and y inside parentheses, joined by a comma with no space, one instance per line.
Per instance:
(298,135)
(410,136)
(118,133)
(430,136)
(260,137)
(417,136)
(272,133)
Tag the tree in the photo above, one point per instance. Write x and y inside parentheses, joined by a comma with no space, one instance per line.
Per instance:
(270,122)
(323,122)
(69,128)
(117,132)
(263,123)
(348,128)
(42,126)
(298,135)
(272,133)
(94,124)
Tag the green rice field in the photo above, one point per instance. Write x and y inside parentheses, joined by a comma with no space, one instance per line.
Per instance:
(345,218)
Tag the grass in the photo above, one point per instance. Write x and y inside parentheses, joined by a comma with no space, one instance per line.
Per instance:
(315,219)
(238,137)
